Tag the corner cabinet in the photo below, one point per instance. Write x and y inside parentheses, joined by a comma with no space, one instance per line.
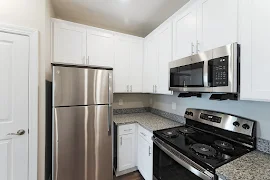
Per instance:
(158,54)
(128,64)
(69,43)
(254,28)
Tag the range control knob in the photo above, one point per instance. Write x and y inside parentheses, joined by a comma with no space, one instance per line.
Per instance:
(245,126)
(236,123)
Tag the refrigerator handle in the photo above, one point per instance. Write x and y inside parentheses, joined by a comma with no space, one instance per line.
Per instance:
(110,109)
(110,100)
(110,84)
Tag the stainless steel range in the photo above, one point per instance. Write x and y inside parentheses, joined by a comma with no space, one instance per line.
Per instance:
(207,141)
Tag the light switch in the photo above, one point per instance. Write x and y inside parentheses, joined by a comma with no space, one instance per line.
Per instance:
(121,102)
(173,106)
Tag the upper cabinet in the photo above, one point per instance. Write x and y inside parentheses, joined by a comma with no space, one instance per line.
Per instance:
(69,43)
(100,47)
(150,69)
(158,54)
(254,37)
(184,33)
(204,25)
(128,64)
(216,23)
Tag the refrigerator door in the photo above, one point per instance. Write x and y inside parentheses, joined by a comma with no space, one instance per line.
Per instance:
(83,143)
(74,86)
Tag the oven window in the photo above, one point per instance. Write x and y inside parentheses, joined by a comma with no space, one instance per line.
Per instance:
(165,168)
(187,76)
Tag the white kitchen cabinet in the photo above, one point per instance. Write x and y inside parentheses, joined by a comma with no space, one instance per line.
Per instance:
(145,157)
(217,23)
(126,151)
(164,43)
(150,69)
(100,47)
(184,33)
(69,43)
(254,28)
(158,54)
(128,64)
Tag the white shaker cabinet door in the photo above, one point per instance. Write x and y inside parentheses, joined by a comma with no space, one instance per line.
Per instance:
(100,47)
(217,23)
(184,33)
(126,152)
(69,43)
(164,39)
(145,158)
(150,68)
(254,25)
(136,66)
(122,67)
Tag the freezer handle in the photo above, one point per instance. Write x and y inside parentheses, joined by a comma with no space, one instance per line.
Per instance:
(110,90)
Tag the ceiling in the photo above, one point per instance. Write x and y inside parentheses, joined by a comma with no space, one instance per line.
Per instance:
(136,17)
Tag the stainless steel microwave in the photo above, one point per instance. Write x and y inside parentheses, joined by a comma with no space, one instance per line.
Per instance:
(213,71)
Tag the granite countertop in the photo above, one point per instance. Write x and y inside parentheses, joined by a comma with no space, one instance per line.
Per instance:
(149,121)
(252,166)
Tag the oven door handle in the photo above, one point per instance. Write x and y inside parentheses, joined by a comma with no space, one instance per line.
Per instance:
(189,167)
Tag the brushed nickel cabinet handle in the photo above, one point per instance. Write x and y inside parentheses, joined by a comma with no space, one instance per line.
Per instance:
(149,151)
(192,46)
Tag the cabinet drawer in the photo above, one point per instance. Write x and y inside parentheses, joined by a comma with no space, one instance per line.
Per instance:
(147,135)
(126,129)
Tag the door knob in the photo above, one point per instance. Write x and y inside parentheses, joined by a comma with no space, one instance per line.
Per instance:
(19,133)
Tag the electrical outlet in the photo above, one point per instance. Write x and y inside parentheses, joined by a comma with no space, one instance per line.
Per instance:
(173,106)
(151,101)
(121,102)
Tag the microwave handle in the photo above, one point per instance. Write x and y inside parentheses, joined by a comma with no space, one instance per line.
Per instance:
(205,74)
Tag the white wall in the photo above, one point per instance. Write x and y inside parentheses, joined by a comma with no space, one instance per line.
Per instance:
(33,14)
(258,111)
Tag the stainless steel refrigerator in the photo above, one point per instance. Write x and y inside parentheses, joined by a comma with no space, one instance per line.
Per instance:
(82,123)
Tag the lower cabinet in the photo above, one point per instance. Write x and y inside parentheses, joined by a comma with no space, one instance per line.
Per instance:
(134,150)
(126,151)
(145,158)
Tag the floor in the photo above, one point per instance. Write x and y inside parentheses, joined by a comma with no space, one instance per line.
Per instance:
(131,176)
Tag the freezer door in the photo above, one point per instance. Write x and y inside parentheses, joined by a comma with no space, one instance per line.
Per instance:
(82,143)
(81,86)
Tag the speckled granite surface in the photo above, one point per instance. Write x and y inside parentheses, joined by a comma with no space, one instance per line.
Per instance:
(148,120)
(252,166)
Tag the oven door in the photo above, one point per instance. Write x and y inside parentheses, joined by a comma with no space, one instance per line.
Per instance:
(171,165)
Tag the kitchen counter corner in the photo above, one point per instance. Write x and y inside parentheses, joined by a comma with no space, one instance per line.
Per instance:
(149,121)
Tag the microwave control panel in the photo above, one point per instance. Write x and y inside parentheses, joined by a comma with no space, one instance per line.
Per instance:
(219,68)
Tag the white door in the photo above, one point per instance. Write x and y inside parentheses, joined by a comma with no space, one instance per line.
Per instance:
(121,67)
(126,152)
(255,58)
(136,66)
(184,33)
(100,47)
(14,56)
(217,23)
(164,38)
(150,69)
(145,158)
(69,43)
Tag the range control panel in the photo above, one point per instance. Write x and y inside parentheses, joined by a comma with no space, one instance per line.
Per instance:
(211,118)
(218,71)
